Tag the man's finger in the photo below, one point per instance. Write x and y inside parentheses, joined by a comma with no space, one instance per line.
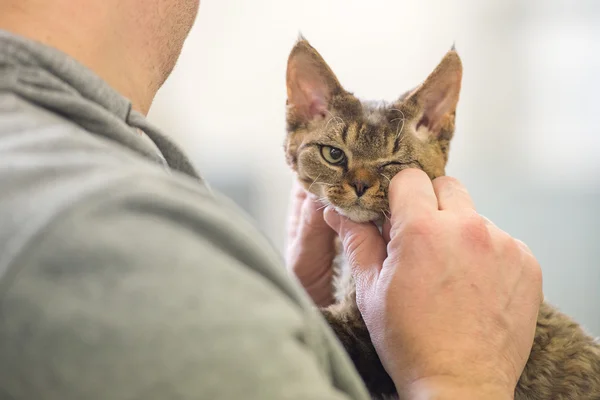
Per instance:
(298,194)
(311,214)
(314,240)
(451,195)
(411,194)
(385,231)
(363,245)
(524,247)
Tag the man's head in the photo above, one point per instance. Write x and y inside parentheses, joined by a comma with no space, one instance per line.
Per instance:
(132,44)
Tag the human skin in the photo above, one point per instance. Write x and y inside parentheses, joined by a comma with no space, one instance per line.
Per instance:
(310,246)
(132,44)
(449,299)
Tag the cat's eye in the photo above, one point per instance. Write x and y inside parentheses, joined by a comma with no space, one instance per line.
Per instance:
(332,155)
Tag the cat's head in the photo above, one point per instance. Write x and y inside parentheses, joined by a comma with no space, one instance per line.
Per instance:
(346,151)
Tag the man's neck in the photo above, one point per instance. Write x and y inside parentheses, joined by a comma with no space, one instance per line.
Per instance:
(94,42)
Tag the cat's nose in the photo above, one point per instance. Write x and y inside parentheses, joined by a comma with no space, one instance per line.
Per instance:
(360,187)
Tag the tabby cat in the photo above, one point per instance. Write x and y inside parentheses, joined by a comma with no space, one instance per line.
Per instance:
(346,150)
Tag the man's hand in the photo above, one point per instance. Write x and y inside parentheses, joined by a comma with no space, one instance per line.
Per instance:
(310,246)
(452,307)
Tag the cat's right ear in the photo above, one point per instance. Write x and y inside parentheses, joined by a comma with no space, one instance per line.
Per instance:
(311,84)
(436,99)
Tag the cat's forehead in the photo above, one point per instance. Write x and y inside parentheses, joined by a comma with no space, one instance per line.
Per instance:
(366,139)
(368,133)
(374,111)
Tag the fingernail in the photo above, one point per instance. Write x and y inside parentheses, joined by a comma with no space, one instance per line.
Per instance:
(523,246)
(487,220)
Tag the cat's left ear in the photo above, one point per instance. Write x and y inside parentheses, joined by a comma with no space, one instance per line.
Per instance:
(436,99)
(310,83)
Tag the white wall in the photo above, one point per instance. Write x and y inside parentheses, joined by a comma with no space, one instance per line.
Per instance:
(527,144)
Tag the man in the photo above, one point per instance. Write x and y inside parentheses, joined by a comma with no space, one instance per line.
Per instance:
(124,277)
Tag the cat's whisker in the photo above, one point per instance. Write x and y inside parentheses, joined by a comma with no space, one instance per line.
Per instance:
(327,124)
(332,118)
(400,127)
(335,117)
(311,185)
(386,177)
(322,207)
(386,215)
(325,203)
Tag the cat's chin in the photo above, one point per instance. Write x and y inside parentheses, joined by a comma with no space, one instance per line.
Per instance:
(360,215)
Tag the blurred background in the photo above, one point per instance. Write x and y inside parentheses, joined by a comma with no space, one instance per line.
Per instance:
(527,144)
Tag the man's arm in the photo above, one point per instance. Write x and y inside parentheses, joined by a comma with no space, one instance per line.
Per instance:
(149,291)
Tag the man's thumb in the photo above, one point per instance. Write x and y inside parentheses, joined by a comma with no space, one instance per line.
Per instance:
(364,246)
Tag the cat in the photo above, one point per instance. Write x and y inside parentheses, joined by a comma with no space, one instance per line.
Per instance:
(346,151)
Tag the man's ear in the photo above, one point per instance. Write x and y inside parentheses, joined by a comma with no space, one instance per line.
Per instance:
(437,97)
(310,83)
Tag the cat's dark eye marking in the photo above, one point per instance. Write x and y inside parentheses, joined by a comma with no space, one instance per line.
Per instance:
(345,133)
(389,164)
(333,155)
(396,144)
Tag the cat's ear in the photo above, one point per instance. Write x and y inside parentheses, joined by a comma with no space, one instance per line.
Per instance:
(437,97)
(310,83)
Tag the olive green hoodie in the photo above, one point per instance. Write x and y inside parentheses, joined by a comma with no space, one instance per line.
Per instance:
(121,275)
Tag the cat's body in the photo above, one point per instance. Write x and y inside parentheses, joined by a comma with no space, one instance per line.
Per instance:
(346,152)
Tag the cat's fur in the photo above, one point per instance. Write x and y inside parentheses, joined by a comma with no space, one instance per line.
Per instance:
(377,142)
